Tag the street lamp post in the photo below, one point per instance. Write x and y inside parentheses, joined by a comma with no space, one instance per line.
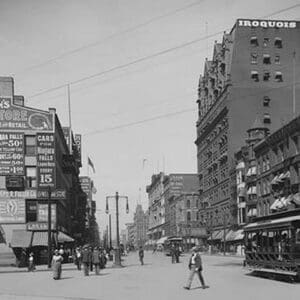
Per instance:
(117,252)
(49,228)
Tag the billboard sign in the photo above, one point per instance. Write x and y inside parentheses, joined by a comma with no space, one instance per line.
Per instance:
(12,211)
(78,144)
(11,153)
(85,183)
(42,213)
(14,117)
(45,159)
(66,131)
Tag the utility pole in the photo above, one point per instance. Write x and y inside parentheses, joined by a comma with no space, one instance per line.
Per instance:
(109,228)
(224,232)
(49,228)
(294,84)
(117,250)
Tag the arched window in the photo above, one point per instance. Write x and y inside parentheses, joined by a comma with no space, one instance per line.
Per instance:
(188,216)
(188,204)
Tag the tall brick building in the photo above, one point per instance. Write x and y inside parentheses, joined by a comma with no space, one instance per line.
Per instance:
(253,74)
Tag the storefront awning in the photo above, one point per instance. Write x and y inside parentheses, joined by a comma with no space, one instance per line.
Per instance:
(64,238)
(21,239)
(234,235)
(162,240)
(40,238)
(252,212)
(216,235)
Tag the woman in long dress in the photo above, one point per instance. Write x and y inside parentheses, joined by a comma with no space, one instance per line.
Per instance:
(56,265)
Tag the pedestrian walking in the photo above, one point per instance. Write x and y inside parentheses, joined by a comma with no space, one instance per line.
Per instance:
(177,253)
(57,260)
(103,258)
(172,252)
(195,266)
(91,253)
(96,260)
(141,255)
(86,260)
(31,265)
(78,258)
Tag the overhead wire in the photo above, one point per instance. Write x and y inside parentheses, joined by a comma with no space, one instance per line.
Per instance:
(144,58)
(114,35)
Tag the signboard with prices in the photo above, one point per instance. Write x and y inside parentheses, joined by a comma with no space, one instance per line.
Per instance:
(12,153)
(45,159)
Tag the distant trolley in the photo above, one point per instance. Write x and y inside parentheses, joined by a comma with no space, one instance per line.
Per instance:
(272,245)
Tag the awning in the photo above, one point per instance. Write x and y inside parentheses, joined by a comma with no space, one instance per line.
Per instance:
(275,180)
(252,212)
(239,235)
(296,199)
(234,235)
(215,234)
(162,240)
(40,238)
(272,222)
(64,238)
(240,165)
(21,238)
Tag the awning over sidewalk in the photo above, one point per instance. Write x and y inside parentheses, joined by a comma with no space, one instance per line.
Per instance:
(40,238)
(64,238)
(234,235)
(21,238)
(215,235)
(162,240)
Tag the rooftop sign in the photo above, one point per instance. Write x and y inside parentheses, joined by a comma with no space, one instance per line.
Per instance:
(14,117)
(267,24)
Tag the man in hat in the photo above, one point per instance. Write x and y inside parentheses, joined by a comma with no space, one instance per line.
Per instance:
(86,260)
(195,266)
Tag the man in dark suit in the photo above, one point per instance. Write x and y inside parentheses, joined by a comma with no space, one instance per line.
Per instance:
(195,266)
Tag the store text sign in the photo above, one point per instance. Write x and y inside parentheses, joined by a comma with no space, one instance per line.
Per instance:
(15,117)
(45,159)
(11,153)
(267,24)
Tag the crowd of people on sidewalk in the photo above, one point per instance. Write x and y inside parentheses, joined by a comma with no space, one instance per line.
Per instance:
(87,258)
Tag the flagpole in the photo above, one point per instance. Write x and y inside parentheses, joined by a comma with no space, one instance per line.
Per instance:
(70,119)
(87,166)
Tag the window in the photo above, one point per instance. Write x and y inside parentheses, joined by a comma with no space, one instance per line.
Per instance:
(253,58)
(267,119)
(31,177)
(30,144)
(266,76)
(278,77)
(188,216)
(31,211)
(254,41)
(277,60)
(278,42)
(188,204)
(254,76)
(266,42)
(266,101)
(266,59)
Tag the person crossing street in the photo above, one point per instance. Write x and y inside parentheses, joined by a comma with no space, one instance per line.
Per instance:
(195,267)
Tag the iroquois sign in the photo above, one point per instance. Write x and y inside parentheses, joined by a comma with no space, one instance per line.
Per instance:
(267,24)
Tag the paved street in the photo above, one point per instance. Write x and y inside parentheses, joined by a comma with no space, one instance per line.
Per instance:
(157,279)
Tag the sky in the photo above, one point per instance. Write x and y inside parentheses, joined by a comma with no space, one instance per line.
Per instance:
(133,69)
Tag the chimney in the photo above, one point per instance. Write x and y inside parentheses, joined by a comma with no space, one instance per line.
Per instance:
(18,100)
(6,87)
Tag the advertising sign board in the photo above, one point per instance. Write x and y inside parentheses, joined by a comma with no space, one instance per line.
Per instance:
(39,226)
(85,183)
(42,213)
(11,153)
(12,211)
(14,117)
(78,144)
(66,131)
(56,194)
(45,159)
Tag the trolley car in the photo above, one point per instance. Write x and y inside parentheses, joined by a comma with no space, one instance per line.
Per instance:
(272,245)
